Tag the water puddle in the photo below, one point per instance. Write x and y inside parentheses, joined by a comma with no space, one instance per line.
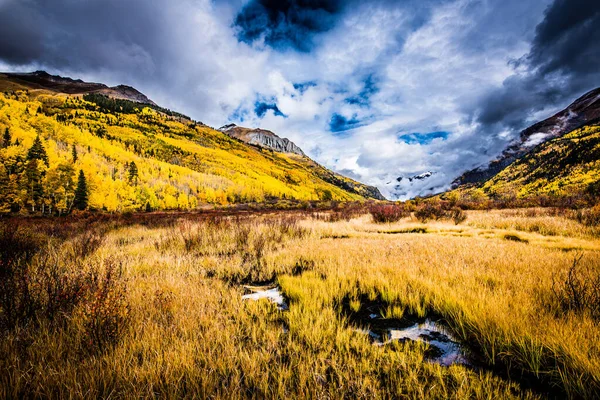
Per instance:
(443,348)
(270,293)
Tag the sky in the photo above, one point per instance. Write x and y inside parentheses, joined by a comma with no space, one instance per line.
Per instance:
(375,90)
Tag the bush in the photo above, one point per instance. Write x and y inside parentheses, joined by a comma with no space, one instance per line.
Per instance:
(428,211)
(86,243)
(589,217)
(58,288)
(17,303)
(106,311)
(383,213)
(348,212)
(457,215)
(579,290)
(49,285)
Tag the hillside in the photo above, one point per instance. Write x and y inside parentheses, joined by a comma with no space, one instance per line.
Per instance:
(564,167)
(585,110)
(136,155)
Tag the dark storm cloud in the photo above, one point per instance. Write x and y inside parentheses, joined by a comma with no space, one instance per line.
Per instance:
(78,34)
(562,64)
(293,24)
(287,23)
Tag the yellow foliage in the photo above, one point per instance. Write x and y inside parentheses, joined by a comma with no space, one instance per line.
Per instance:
(180,164)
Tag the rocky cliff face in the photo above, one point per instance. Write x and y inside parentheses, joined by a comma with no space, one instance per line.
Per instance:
(583,111)
(262,138)
(59,84)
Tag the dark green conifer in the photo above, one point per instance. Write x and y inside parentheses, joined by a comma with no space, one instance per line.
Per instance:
(6,139)
(37,151)
(80,201)
(133,173)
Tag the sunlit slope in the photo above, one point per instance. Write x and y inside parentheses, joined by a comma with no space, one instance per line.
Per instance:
(562,167)
(180,163)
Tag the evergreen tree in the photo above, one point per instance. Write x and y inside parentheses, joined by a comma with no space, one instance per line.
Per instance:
(133,173)
(6,139)
(81,193)
(74,153)
(33,183)
(37,151)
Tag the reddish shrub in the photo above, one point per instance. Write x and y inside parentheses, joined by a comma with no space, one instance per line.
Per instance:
(382,213)
(429,211)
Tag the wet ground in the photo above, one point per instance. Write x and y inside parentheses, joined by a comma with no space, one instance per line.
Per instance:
(442,347)
(270,292)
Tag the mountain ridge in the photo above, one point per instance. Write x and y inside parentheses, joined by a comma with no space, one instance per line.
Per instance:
(582,111)
(59,84)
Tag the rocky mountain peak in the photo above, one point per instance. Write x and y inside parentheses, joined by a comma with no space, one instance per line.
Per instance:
(262,138)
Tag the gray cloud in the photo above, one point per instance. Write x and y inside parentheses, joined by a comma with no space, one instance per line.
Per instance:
(562,64)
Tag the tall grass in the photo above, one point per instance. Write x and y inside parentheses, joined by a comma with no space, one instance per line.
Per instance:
(159,313)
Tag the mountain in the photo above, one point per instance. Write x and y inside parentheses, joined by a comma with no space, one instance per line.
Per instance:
(584,110)
(262,138)
(137,155)
(44,81)
(563,167)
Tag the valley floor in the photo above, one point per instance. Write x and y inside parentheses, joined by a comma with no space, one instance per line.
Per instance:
(127,308)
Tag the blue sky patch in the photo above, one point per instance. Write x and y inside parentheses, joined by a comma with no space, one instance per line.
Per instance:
(303,86)
(339,124)
(261,108)
(363,97)
(422,138)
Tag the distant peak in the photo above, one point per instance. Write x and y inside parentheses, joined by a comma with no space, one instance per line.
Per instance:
(261,137)
(227,127)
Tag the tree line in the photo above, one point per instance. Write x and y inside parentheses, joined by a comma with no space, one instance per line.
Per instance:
(29,183)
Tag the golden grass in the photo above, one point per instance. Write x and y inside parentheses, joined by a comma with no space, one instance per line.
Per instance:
(191,335)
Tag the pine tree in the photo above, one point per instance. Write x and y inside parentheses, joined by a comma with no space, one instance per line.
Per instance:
(37,151)
(6,139)
(81,193)
(74,153)
(133,173)
(33,183)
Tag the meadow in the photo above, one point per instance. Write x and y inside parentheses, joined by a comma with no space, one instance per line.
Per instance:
(150,305)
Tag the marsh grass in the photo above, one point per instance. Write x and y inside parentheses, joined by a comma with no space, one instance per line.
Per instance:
(179,327)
